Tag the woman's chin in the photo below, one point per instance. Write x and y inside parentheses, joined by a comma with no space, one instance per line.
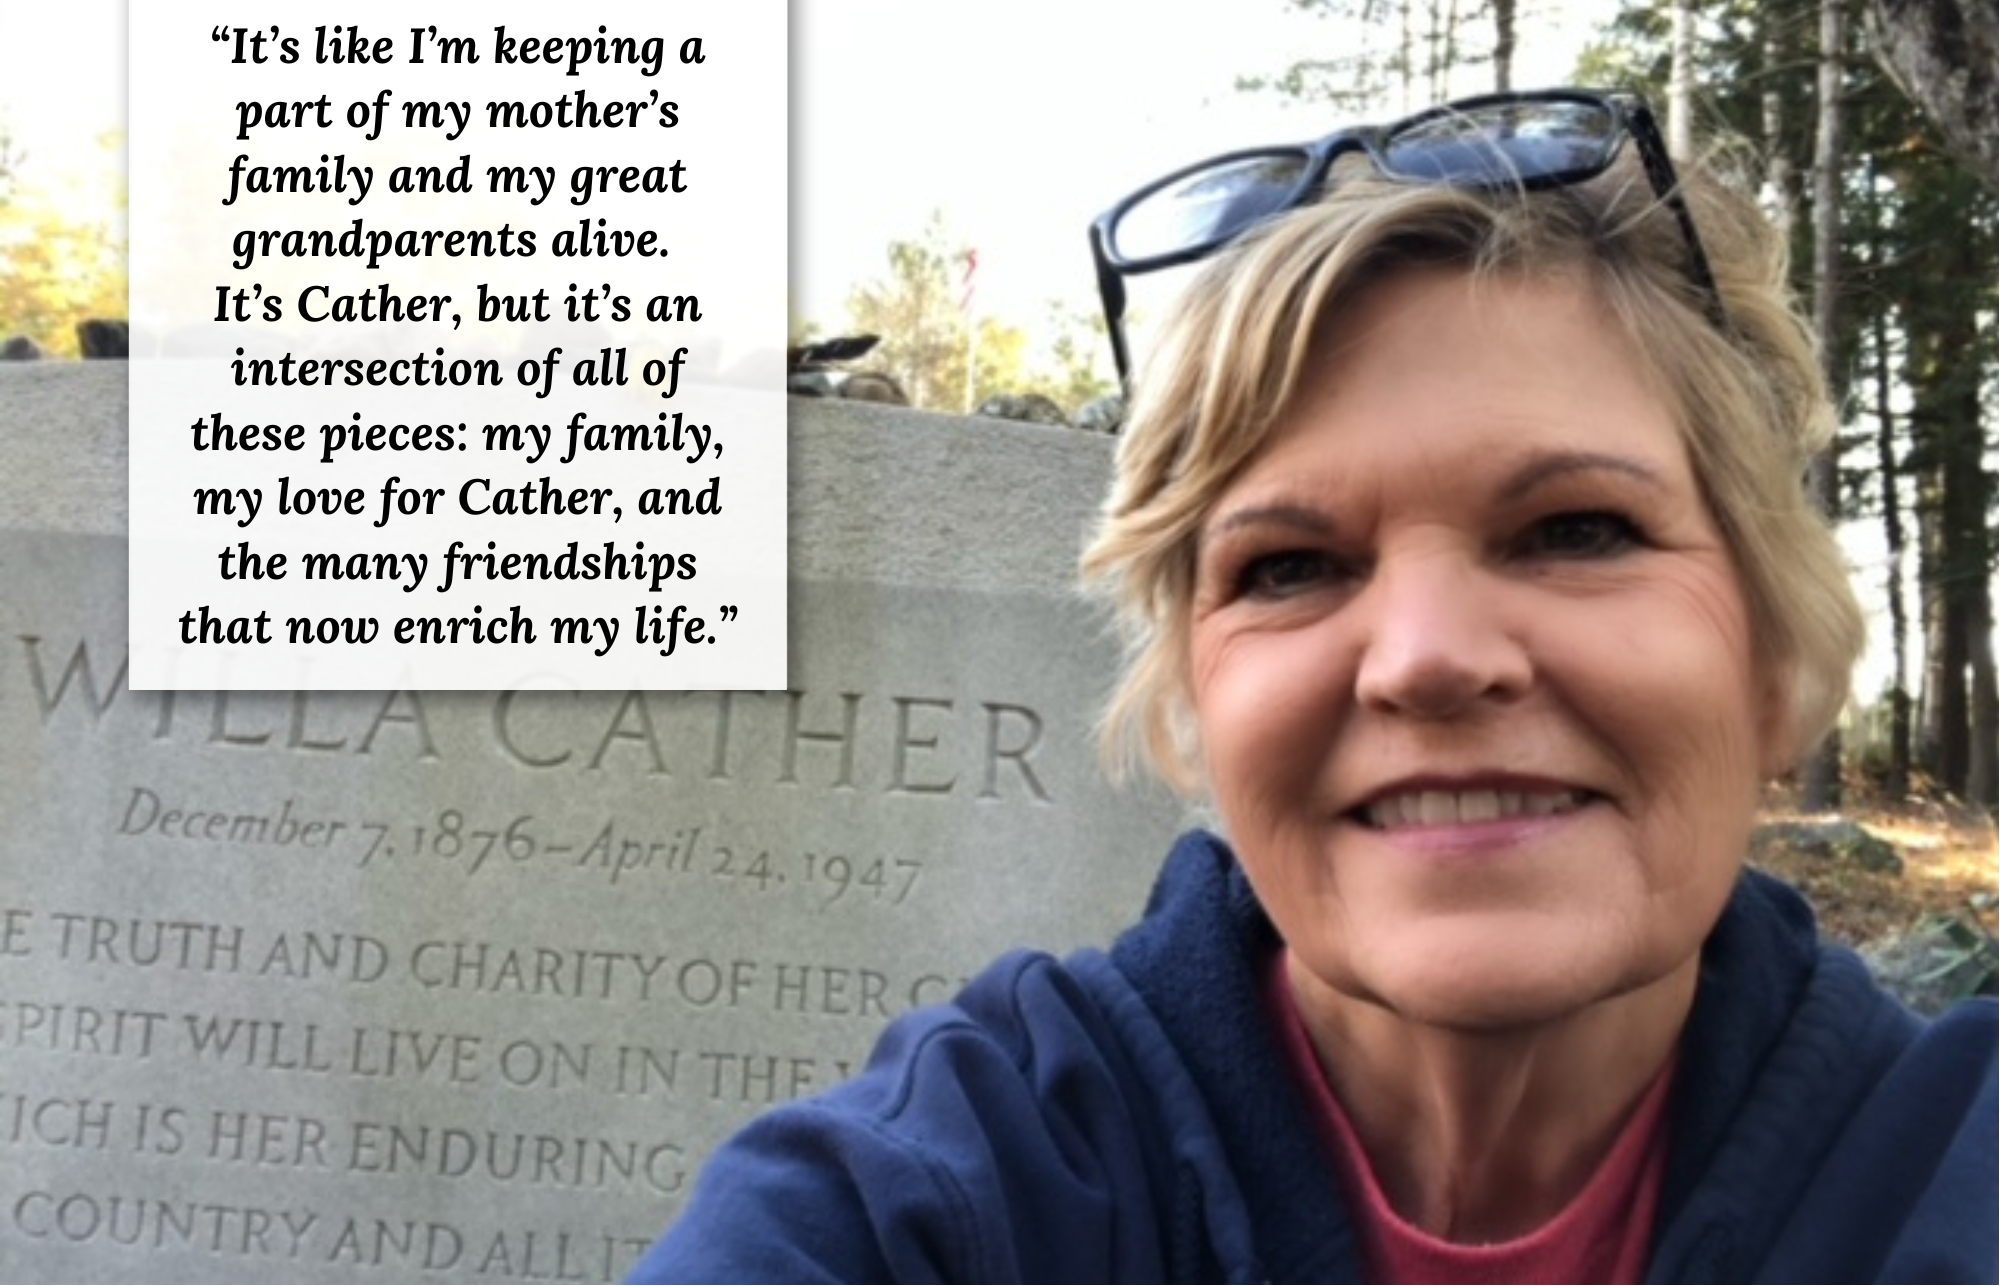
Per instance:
(1488,979)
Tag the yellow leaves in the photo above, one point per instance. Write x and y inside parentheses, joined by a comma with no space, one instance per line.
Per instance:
(62,253)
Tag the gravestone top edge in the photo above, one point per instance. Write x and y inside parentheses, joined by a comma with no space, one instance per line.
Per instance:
(875,492)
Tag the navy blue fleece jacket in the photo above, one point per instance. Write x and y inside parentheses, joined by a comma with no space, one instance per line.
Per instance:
(1131,1117)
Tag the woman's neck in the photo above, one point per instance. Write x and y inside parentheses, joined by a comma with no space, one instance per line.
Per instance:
(1483,1136)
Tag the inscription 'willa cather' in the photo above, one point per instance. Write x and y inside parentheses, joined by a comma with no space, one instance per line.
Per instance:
(892,744)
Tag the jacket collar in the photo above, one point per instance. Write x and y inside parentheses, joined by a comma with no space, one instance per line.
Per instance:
(1197,959)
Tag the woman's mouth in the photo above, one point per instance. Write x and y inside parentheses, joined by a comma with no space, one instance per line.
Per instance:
(1405,809)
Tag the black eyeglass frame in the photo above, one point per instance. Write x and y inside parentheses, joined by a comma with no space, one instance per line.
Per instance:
(1629,112)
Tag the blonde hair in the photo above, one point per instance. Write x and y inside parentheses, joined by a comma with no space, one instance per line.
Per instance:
(1749,398)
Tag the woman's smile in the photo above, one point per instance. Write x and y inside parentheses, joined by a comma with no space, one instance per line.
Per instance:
(1432,808)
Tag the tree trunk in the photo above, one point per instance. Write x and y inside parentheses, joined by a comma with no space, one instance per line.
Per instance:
(1948,715)
(1946,417)
(1407,37)
(1964,571)
(1447,89)
(1503,46)
(1941,746)
(1680,83)
(1896,782)
(1434,54)
(1821,784)
(1889,473)
(1941,54)
(1982,767)
(1781,183)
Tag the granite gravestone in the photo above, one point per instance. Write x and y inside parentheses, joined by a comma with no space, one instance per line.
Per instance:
(382,987)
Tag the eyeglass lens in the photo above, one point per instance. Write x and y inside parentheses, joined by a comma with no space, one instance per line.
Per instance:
(1486,146)
(1505,143)
(1210,205)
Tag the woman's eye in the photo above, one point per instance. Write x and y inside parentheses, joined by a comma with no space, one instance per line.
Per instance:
(1584,534)
(1277,575)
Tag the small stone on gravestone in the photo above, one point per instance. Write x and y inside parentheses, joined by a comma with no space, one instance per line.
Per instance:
(1101,414)
(873,386)
(103,338)
(1030,408)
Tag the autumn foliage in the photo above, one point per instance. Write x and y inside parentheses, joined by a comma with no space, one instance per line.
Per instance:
(62,248)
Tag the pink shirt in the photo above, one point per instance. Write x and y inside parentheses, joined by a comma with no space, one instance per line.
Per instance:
(1602,1235)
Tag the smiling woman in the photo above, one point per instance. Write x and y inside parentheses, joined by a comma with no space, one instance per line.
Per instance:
(1460,543)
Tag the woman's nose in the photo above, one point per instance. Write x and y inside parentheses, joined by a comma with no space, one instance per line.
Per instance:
(1439,638)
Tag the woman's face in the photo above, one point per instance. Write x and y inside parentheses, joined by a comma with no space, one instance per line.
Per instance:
(1472,664)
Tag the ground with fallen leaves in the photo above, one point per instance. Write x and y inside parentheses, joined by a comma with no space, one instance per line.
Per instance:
(1951,866)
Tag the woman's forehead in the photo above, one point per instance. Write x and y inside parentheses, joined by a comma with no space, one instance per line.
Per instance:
(1501,364)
